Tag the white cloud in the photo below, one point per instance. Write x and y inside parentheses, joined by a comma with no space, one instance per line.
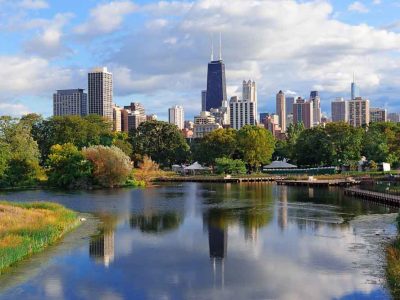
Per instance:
(13,109)
(106,18)
(358,7)
(34,4)
(377,2)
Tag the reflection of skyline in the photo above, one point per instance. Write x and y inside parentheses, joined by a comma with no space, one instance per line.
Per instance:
(283,207)
(101,247)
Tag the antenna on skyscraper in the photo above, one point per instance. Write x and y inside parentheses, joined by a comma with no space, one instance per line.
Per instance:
(220,46)
(212,48)
(354,77)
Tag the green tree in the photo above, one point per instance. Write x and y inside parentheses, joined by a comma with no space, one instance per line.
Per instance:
(67,167)
(287,148)
(313,148)
(161,141)
(216,144)
(111,166)
(230,166)
(256,145)
(5,156)
(121,140)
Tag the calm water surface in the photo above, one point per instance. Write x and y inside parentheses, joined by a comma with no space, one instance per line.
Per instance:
(204,241)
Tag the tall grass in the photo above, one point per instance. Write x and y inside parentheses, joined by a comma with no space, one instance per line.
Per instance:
(393,264)
(28,228)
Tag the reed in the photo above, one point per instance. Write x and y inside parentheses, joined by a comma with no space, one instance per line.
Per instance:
(28,228)
(393,264)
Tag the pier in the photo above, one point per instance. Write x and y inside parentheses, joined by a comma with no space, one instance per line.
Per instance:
(383,198)
(316,183)
(217,179)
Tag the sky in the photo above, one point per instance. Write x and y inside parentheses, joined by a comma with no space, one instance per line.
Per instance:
(158,50)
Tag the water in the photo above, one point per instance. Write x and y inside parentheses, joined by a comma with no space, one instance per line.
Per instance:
(207,241)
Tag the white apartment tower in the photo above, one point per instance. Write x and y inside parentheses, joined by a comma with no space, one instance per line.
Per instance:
(100,90)
(176,116)
(242,112)
(249,93)
(281,110)
(359,112)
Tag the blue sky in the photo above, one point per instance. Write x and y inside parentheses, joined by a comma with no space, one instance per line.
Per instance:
(158,50)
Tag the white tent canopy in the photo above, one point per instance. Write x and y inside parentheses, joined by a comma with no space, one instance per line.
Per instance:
(280,165)
(195,166)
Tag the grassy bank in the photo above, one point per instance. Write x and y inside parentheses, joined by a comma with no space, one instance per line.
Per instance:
(28,228)
(393,265)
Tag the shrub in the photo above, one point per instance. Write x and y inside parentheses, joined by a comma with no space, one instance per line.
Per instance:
(111,166)
(230,166)
(147,170)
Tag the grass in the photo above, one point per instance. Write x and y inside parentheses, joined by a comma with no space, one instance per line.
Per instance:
(393,264)
(29,228)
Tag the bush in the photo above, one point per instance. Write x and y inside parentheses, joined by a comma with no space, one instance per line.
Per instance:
(147,170)
(230,166)
(111,166)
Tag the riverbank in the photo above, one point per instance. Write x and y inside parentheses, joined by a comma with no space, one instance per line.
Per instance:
(28,228)
(393,265)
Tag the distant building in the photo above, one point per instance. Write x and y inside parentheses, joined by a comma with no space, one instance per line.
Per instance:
(271,123)
(377,114)
(359,112)
(135,118)
(340,110)
(263,116)
(394,117)
(117,118)
(281,110)
(136,106)
(176,116)
(242,112)
(316,101)
(187,133)
(204,124)
(249,91)
(151,117)
(203,100)
(189,124)
(289,120)
(289,105)
(70,102)
(216,83)
(100,90)
(303,112)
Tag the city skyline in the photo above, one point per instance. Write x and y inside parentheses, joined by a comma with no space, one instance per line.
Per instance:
(59,43)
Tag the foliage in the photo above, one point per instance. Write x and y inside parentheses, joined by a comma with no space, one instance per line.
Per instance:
(111,166)
(29,228)
(255,145)
(230,166)
(121,141)
(67,167)
(218,143)
(147,170)
(161,141)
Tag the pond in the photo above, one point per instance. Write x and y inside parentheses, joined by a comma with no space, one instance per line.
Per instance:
(208,241)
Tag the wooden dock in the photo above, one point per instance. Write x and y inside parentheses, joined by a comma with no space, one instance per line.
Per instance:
(217,179)
(383,198)
(316,183)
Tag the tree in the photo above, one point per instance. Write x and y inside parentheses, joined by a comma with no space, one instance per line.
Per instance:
(5,156)
(313,148)
(147,170)
(230,166)
(345,141)
(216,144)
(255,145)
(161,141)
(287,148)
(111,166)
(121,140)
(67,167)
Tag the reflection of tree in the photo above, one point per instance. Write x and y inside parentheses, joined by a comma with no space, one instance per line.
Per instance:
(217,225)
(156,223)
(101,245)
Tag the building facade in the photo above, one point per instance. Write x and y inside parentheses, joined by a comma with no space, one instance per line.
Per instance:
(377,115)
(340,110)
(117,118)
(204,124)
(242,112)
(316,101)
(303,112)
(100,92)
(203,100)
(394,117)
(216,84)
(359,112)
(281,110)
(70,102)
(176,116)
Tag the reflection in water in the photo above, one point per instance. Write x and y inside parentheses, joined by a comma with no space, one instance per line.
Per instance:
(156,223)
(283,207)
(101,247)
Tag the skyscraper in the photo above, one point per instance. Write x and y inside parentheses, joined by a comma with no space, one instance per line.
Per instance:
(303,112)
(281,110)
(242,112)
(70,102)
(355,91)
(359,112)
(316,100)
(203,100)
(176,116)
(289,105)
(216,82)
(100,88)
(340,110)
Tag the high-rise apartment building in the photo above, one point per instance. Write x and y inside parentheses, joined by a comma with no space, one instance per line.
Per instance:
(135,118)
(176,116)
(281,110)
(394,117)
(359,112)
(117,118)
(316,101)
(377,114)
(303,112)
(216,82)
(289,104)
(242,112)
(70,102)
(340,110)
(204,124)
(100,90)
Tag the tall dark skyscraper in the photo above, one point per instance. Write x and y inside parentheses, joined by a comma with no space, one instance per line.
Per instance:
(216,83)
